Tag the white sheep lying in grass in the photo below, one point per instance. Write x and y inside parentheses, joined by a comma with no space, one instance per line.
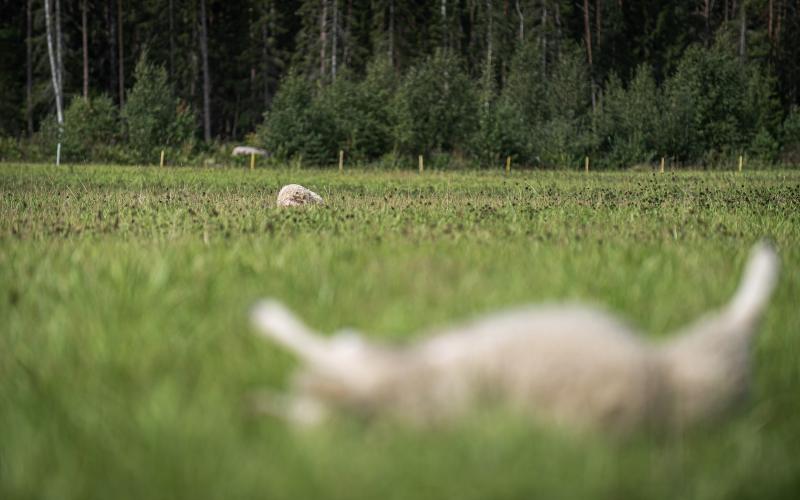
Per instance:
(295,195)
(562,364)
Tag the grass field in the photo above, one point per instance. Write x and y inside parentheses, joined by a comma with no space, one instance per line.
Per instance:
(126,358)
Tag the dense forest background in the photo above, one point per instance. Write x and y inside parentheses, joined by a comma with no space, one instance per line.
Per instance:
(546,82)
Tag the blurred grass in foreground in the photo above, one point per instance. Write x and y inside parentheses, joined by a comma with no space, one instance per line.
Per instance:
(126,357)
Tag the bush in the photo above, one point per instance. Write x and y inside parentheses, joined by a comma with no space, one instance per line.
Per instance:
(435,108)
(764,147)
(10,149)
(360,111)
(565,135)
(704,115)
(790,137)
(298,125)
(91,129)
(154,118)
(628,121)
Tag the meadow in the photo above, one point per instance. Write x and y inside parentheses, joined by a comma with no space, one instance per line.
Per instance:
(127,360)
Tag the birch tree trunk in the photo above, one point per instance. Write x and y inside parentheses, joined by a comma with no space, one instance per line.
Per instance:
(206,74)
(85,40)
(521,22)
(54,68)
(59,42)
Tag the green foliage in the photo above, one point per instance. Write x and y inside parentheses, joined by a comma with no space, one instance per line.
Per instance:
(765,147)
(565,136)
(360,110)
(299,125)
(790,137)
(705,96)
(628,124)
(501,132)
(91,129)
(436,106)
(10,149)
(154,118)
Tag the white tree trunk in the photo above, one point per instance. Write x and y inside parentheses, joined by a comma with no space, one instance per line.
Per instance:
(54,68)
(59,41)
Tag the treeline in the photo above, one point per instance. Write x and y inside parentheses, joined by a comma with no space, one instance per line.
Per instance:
(546,82)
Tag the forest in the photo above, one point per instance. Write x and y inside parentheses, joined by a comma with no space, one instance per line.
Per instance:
(463,82)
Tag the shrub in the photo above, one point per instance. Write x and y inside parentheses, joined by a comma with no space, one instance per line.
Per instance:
(154,118)
(628,121)
(790,137)
(360,111)
(764,147)
(91,127)
(298,125)
(703,106)
(435,108)
(564,136)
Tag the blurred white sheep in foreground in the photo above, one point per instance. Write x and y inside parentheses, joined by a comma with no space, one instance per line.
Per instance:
(567,365)
(293,195)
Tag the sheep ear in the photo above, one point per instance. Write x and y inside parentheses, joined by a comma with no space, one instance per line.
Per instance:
(758,281)
(277,323)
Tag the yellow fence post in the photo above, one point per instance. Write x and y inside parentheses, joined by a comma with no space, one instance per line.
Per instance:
(252,161)
(341,161)
(508,165)
(162,158)
(421,164)
(587,165)
(662,165)
(741,160)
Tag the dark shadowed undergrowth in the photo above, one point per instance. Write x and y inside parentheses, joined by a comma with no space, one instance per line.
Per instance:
(126,358)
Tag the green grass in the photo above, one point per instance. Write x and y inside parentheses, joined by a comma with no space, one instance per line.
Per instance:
(126,359)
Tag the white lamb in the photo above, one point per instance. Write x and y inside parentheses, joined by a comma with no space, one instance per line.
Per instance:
(567,365)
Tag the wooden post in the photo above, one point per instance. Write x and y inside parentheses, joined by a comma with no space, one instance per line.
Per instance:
(341,161)
(421,164)
(161,163)
(741,160)
(662,165)
(252,161)
(587,164)
(58,154)
(508,165)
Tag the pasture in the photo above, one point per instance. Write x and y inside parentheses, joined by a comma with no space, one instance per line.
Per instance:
(127,360)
